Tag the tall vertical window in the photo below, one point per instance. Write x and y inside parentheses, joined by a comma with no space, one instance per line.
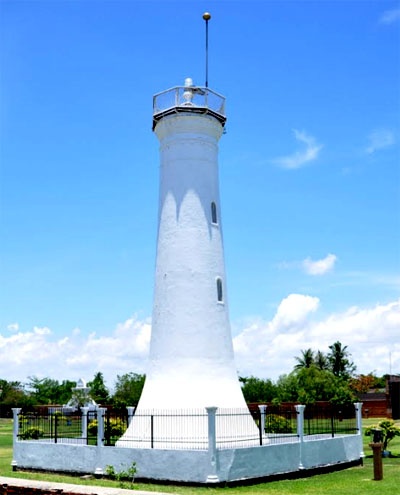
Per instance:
(214,213)
(219,290)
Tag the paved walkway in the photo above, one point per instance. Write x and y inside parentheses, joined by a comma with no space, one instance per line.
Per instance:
(78,489)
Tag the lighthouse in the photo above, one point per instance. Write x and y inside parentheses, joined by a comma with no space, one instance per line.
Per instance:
(191,360)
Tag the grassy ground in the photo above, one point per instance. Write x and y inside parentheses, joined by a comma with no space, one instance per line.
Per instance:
(345,482)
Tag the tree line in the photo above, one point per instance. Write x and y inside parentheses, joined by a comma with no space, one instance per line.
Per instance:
(315,377)
(48,391)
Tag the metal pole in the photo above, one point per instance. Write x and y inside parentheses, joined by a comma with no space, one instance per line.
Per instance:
(55,427)
(206,17)
(262,409)
(152,431)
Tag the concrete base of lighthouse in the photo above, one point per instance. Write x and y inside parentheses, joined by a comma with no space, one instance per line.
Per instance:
(174,408)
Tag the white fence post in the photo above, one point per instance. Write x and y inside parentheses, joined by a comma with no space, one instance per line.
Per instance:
(84,420)
(131,411)
(16,411)
(212,445)
(100,426)
(358,408)
(100,437)
(300,430)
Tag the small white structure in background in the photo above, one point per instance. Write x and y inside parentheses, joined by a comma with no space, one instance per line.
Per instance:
(80,398)
(191,362)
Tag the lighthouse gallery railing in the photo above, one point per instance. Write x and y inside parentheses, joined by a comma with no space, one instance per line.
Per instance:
(192,99)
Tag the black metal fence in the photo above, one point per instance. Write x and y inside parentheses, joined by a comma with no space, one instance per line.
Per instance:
(187,429)
(277,424)
(330,420)
(65,427)
(116,423)
(57,427)
(168,429)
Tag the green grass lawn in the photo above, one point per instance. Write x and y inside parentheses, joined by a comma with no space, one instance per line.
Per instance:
(346,482)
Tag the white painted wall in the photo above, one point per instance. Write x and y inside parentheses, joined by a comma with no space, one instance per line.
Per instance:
(190,466)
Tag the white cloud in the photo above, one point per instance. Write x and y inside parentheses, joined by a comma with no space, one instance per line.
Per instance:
(390,16)
(319,267)
(299,158)
(41,330)
(13,327)
(39,352)
(379,139)
(265,348)
(293,310)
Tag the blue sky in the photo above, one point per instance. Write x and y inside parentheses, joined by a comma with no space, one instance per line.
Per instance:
(309,177)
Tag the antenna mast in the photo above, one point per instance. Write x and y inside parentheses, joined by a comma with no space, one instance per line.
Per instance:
(206,17)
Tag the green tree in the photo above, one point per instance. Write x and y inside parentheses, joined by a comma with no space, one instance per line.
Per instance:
(287,388)
(315,384)
(306,360)
(321,361)
(380,381)
(308,385)
(339,360)
(343,394)
(98,390)
(128,388)
(44,390)
(50,391)
(257,390)
(13,394)
(65,391)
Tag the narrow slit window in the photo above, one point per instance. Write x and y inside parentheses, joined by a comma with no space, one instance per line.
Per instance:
(219,290)
(214,213)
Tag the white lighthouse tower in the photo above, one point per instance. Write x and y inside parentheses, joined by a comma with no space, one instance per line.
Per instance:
(191,362)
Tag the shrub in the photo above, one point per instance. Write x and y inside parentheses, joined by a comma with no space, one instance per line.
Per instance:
(92,427)
(115,427)
(389,431)
(124,474)
(32,433)
(277,424)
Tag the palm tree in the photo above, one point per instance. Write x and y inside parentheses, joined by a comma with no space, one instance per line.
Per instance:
(321,361)
(306,360)
(339,360)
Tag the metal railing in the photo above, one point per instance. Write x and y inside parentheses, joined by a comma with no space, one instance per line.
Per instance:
(189,97)
(280,424)
(330,420)
(167,429)
(188,429)
(57,427)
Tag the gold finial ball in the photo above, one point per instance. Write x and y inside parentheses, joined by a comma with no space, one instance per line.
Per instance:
(206,16)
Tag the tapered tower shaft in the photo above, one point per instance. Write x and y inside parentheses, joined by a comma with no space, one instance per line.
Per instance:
(191,361)
(191,354)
